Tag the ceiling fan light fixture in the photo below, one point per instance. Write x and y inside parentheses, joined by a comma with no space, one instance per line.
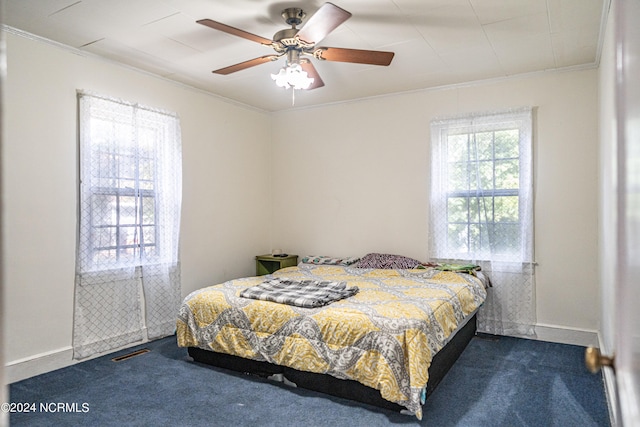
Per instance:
(292,76)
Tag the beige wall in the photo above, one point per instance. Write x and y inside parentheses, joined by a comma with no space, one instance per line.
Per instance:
(357,177)
(342,179)
(225,185)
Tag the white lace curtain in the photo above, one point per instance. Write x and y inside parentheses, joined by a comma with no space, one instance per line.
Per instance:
(127,268)
(482,210)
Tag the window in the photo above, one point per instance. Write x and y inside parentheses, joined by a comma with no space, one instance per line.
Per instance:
(128,165)
(481,187)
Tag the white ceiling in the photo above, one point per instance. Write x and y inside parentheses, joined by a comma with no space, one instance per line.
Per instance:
(436,42)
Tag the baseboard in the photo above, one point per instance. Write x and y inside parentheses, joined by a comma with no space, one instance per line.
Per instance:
(558,334)
(42,363)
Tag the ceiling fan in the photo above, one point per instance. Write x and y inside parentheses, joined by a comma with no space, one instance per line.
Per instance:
(294,43)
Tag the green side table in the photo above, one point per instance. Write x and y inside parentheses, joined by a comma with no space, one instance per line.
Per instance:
(267,264)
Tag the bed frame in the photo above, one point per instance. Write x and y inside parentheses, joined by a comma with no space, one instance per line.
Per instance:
(347,389)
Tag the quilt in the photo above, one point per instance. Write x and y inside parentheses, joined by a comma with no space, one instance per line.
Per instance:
(384,337)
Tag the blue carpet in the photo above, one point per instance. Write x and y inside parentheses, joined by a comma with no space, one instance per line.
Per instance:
(496,382)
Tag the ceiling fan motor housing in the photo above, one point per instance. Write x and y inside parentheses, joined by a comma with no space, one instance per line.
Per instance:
(286,36)
(286,40)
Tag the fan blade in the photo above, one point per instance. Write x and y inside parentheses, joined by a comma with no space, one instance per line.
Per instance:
(325,20)
(234,31)
(246,64)
(373,57)
(312,72)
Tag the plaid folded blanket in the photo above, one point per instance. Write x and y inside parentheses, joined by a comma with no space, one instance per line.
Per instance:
(301,293)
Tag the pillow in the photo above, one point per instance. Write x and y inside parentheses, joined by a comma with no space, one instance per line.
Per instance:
(375,260)
(311,259)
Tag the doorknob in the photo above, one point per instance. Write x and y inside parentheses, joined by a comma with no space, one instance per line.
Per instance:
(594,360)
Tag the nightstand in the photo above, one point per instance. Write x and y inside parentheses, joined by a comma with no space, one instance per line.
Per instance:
(267,264)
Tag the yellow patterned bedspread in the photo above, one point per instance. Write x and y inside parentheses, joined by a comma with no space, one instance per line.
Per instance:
(383,337)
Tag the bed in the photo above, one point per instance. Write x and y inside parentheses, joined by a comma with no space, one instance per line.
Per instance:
(387,345)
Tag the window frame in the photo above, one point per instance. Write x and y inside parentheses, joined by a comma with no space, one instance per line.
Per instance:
(441,193)
(143,165)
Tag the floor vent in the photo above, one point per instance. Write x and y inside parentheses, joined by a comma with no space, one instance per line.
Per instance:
(130,355)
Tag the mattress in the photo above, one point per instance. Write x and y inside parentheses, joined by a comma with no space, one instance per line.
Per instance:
(384,337)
